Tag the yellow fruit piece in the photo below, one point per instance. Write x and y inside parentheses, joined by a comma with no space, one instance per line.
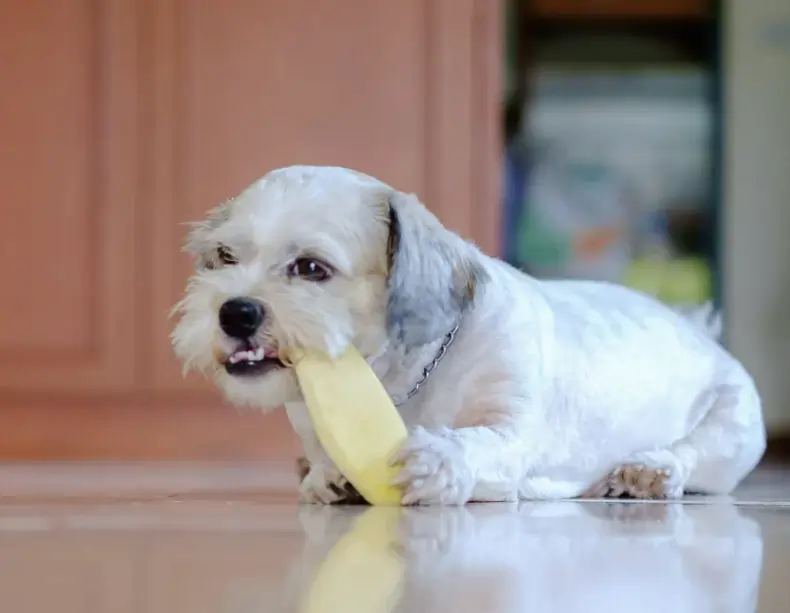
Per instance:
(355,420)
(362,572)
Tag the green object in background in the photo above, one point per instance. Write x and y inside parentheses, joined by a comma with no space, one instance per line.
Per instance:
(541,246)
(683,281)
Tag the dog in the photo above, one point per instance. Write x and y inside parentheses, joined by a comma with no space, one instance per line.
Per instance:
(511,387)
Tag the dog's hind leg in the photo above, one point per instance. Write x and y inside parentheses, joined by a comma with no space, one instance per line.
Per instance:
(730,440)
(713,458)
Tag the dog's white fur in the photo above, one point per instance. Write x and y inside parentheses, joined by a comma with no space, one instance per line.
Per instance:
(548,387)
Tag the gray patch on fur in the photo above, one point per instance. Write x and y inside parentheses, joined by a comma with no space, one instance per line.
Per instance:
(434,274)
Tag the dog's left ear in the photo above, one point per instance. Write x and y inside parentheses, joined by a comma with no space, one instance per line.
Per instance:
(434,275)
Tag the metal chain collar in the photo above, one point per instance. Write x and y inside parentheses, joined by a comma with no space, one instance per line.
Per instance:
(426,372)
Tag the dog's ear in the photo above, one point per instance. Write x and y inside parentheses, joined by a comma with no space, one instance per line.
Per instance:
(433,276)
(197,241)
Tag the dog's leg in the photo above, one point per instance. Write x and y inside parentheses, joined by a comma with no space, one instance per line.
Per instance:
(729,442)
(320,482)
(455,466)
(716,455)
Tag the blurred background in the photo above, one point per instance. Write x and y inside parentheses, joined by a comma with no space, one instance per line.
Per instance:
(644,142)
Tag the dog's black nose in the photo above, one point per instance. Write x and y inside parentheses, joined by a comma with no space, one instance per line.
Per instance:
(240,317)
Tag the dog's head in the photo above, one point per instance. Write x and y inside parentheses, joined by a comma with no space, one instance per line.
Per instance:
(317,258)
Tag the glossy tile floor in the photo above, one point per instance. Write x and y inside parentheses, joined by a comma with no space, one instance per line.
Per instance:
(231,539)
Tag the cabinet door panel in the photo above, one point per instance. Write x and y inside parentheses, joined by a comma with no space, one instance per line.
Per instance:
(67,167)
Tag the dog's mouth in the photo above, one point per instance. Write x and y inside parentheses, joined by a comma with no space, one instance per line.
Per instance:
(250,360)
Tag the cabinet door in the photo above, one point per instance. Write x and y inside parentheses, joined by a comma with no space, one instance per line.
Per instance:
(407,91)
(68,154)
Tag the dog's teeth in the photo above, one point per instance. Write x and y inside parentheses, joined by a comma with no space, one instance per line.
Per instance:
(246,356)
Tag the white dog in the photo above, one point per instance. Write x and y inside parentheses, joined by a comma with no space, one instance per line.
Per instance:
(512,387)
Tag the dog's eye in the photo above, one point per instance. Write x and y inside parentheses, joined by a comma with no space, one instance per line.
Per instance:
(225,256)
(310,269)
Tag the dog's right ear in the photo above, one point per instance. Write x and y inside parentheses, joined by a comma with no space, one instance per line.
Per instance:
(198,239)
(434,275)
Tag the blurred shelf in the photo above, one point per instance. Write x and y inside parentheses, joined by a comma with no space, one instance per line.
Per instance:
(628,86)
(633,9)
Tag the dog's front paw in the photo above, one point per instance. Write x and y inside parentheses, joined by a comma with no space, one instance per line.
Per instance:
(434,469)
(325,485)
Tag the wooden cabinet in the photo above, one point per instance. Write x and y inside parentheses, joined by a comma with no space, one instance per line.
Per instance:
(122,119)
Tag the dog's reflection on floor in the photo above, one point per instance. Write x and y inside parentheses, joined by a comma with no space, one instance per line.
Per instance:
(544,556)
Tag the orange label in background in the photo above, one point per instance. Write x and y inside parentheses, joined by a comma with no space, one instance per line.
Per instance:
(591,244)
